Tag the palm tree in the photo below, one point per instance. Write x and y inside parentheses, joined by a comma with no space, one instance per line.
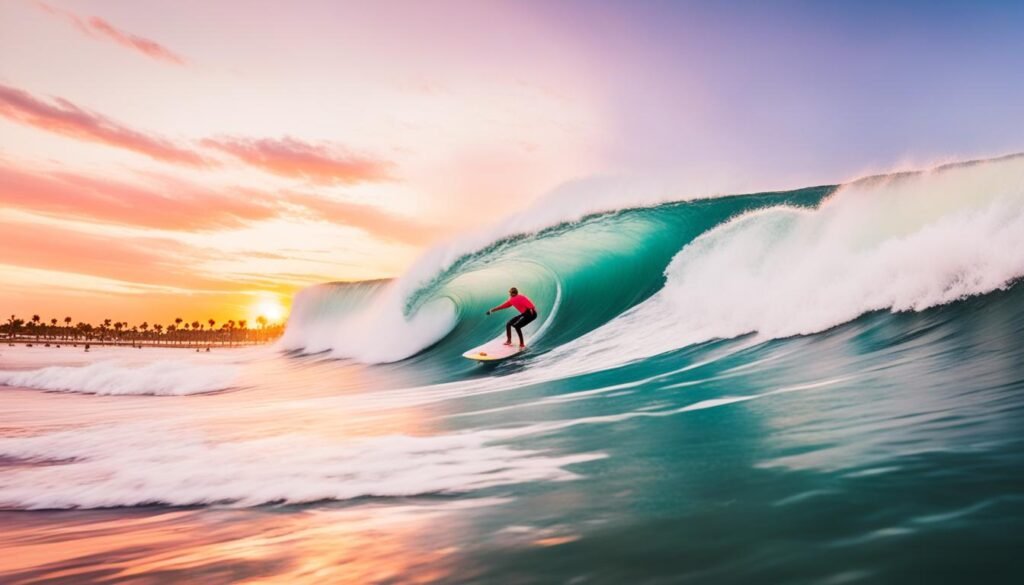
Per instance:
(67,326)
(35,325)
(13,325)
(263,326)
(159,331)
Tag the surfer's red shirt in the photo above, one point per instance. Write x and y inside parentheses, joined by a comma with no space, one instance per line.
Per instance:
(520,302)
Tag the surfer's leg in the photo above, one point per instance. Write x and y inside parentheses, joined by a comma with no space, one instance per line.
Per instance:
(508,329)
(522,321)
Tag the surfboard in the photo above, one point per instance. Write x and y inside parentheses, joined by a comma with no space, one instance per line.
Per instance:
(493,351)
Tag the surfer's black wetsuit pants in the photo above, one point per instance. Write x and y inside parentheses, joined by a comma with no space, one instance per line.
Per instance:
(519,321)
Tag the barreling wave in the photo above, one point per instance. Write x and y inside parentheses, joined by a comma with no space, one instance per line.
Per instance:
(629,282)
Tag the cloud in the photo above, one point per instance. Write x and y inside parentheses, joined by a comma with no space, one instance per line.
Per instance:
(64,117)
(289,157)
(170,204)
(286,157)
(98,28)
(162,204)
(152,261)
(377,223)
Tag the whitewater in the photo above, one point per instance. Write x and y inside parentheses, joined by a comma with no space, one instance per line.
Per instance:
(779,387)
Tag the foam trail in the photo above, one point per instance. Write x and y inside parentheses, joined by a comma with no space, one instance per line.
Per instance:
(160,378)
(129,465)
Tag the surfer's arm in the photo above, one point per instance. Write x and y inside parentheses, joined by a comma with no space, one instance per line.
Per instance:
(504,305)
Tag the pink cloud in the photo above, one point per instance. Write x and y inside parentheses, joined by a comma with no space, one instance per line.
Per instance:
(98,28)
(289,157)
(161,204)
(372,220)
(152,261)
(64,117)
(286,157)
(169,204)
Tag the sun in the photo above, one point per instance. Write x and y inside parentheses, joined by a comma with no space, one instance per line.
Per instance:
(269,307)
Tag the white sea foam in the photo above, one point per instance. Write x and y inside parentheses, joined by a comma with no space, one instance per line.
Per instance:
(130,465)
(113,377)
(901,244)
(376,331)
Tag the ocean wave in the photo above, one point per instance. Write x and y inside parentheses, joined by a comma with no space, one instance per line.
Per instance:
(906,243)
(626,282)
(579,273)
(131,465)
(113,377)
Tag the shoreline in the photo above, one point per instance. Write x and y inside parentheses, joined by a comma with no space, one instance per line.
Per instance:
(61,344)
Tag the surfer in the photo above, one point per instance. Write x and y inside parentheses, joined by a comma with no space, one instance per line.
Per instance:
(527,313)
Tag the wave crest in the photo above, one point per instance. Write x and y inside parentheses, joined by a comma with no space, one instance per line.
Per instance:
(160,378)
(130,465)
(904,243)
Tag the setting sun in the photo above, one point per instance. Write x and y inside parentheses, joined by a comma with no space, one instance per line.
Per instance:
(269,307)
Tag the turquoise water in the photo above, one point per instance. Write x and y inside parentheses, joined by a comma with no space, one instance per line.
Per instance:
(690,411)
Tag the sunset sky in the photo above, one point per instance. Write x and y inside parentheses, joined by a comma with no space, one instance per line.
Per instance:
(205,159)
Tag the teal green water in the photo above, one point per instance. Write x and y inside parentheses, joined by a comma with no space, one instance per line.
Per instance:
(897,457)
(603,264)
(689,412)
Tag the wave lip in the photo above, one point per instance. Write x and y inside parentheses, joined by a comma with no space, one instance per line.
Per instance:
(115,378)
(132,465)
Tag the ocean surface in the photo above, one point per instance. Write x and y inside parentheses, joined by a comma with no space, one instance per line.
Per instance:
(817,386)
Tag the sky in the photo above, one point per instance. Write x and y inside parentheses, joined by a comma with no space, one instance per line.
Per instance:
(208,159)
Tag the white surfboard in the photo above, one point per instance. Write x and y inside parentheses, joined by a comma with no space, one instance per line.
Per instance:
(494,351)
